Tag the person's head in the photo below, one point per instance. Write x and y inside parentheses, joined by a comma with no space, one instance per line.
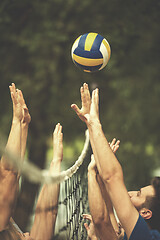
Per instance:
(147,202)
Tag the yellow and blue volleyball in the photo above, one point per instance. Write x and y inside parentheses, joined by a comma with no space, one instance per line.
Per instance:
(91,52)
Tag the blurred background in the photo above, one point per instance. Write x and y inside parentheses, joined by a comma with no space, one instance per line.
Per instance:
(35,44)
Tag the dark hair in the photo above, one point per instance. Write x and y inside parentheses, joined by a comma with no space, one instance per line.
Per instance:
(153,204)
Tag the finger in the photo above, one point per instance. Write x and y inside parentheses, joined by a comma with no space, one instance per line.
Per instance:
(61,137)
(76,109)
(10,88)
(25,109)
(95,97)
(60,134)
(13,87)
(87,216)
(85,87)
(87,93)
(83,95)
(116,148)
(59,128)
(12,92)
(94,106)
(21,98)
(118,142)
(55,129)
(13,97)
(113,142)
(86,226)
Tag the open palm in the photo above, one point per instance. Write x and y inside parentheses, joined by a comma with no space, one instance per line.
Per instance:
(86,103)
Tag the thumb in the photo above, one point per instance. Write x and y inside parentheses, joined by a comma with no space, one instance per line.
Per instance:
(25,109)
(75,108)
(25,112)
(26,115)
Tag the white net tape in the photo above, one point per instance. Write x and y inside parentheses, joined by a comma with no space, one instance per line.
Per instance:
(36,175)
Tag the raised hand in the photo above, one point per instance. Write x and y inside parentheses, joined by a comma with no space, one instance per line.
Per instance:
(114,145)
(20,110)
(89,112)
(90,228)
(17,108)
(86,103)
(94,111)
(58,143)
(47,205)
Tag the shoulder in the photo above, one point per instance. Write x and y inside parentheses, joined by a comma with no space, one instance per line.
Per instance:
(141,231)
(155,235)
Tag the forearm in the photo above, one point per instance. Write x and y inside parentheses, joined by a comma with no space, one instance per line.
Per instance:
(112,176)
(107,164)
(13,145)
(24,134)
(108,204)
(104,194)
(9,178)
(96,202)
(45,213)
(46,209)
(8,196)
(48,197)
(100,215)
(99,212)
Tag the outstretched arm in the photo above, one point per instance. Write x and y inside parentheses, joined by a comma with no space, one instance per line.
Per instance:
(14,140)
(114,145)
(108,166)
(9,175)
(47,205)
(100,205)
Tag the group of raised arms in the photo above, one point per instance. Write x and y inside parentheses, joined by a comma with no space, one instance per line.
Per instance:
(114,214)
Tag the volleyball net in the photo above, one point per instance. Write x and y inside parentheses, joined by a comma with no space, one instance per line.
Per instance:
(73,198)
(73,202)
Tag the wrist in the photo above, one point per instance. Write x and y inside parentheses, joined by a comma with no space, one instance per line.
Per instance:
(15,120)
(56,160)
(94,124)
(92,172)
(7,169)
(24,125)
(55,164)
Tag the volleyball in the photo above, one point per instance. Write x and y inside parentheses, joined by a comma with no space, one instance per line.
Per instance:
(91,52)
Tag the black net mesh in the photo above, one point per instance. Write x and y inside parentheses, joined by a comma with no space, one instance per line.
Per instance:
(73,202)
